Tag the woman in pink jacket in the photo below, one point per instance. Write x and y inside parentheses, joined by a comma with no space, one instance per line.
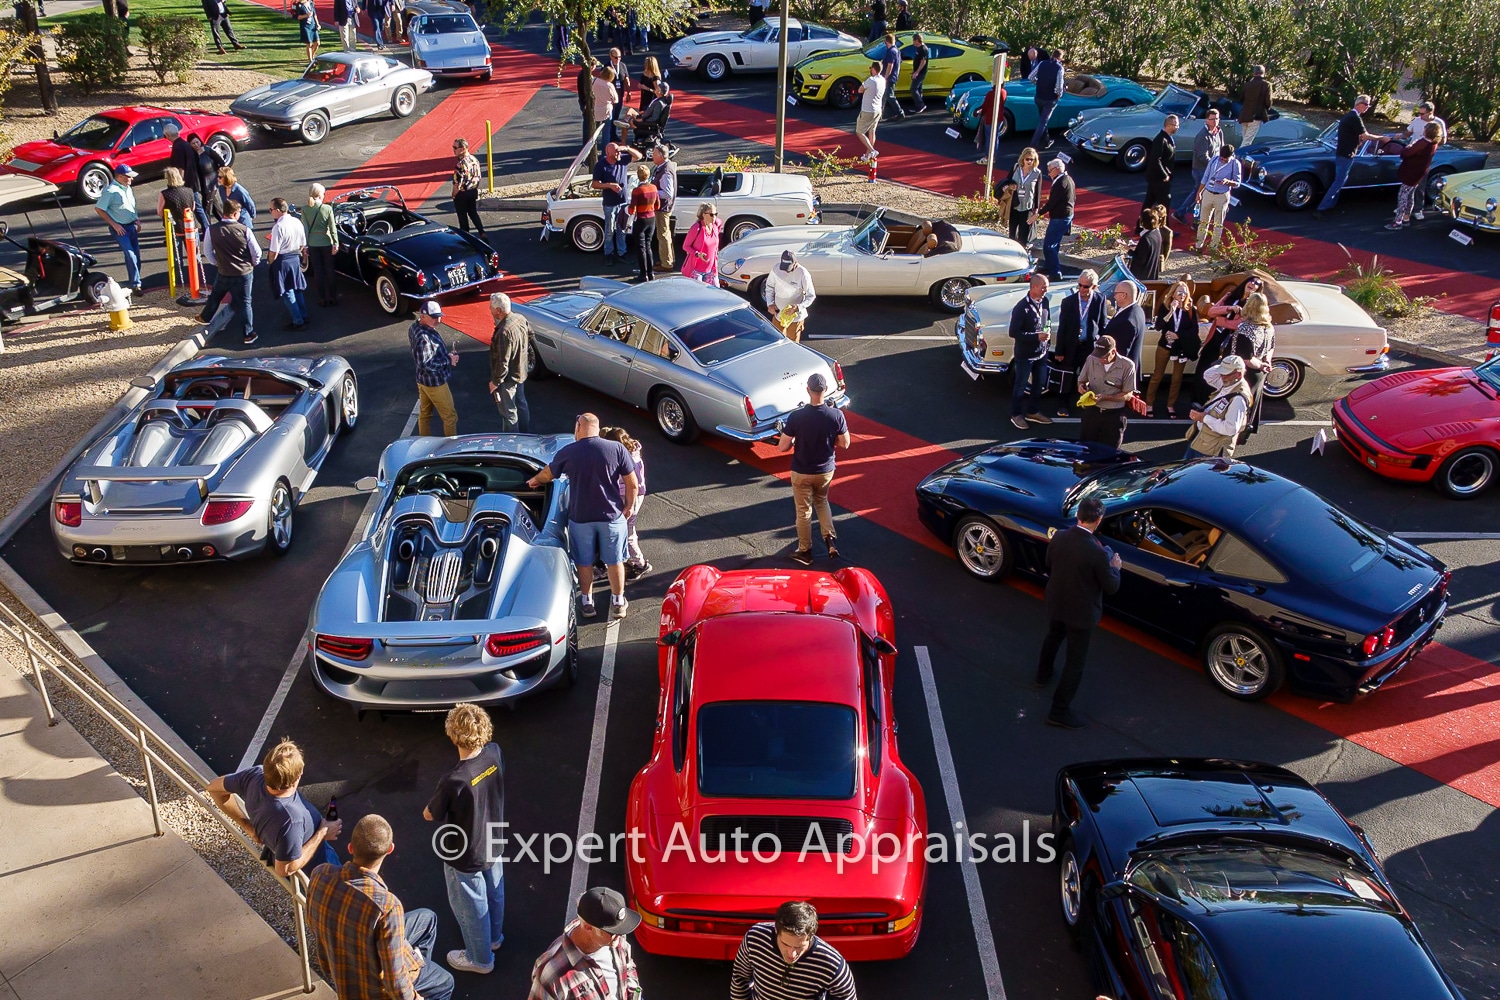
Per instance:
(700,249)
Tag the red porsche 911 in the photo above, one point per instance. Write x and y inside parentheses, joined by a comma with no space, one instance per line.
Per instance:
(1438,426)
(83,158)
(774,774)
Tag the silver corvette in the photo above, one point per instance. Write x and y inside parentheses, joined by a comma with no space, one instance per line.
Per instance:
(460,589)
(209,466)
(694,356)
(337,88)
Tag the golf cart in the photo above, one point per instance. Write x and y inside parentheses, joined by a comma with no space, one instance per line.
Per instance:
(57,273)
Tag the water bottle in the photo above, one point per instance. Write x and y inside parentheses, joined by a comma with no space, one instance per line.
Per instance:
(1197,211)
(333,809)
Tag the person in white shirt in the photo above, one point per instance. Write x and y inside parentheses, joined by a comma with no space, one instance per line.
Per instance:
(1416,130)
(1217,424)
(870,105)
(287,241)
(788,293)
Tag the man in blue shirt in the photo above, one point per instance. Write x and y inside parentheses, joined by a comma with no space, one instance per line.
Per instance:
(1031,329)
(116,206)
(811,433)
(434,362)
(609,180)
(289,829)
(890,68)
(1219,180)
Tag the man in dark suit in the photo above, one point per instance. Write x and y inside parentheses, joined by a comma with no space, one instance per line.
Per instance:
(1079,325)
(1159,160)
(1080,571)
(1128,325)
(1031,329)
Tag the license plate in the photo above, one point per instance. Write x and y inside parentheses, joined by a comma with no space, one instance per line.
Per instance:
(952,133)
(969,371)
(458,274)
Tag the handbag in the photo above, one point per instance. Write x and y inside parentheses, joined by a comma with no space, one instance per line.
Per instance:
(1137,405)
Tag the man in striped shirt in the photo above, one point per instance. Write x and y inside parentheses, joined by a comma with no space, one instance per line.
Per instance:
(786,960)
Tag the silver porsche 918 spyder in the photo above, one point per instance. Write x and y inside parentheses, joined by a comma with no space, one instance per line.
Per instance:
(461,588)
(210,465)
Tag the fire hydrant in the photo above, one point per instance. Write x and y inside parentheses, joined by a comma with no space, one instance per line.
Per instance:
(116,301)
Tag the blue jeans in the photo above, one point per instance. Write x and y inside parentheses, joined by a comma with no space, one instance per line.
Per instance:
(434,982)
(1043,116)
(515,414)
(237,285)
(379,34)
(1341,167)
(1052,244)
(1184,206)
(478,901)
(1035,372)
(130,246)
(296,304)
(616,230)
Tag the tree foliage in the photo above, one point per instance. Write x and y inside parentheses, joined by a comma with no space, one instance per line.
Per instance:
(1355,47)
(174,44)
(1225,38)
(91,49)
(1460,66)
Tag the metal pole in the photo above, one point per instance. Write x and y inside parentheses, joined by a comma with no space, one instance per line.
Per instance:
(140,735)
(166,221)
(299,906)
(989,158)
(489,152)
(781,90)
(38,667)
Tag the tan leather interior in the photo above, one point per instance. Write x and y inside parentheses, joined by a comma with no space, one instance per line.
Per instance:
(1285,309)
(1084,86)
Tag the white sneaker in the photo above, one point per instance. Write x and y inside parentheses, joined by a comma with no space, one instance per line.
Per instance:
(458,961)
(618,608)
(1419,215)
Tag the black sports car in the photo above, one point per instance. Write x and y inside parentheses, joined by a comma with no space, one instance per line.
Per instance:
(1266,579)
(1229,880)
(1297,173)
(406,257)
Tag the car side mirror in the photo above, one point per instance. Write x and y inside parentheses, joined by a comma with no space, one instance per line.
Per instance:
(4,227)
(367,484)
(1113,890)
(140,381)
(54,133)
(883,646)
(671,638)
(125,148)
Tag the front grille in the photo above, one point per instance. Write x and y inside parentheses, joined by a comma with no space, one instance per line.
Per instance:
(792,833)
(443,574)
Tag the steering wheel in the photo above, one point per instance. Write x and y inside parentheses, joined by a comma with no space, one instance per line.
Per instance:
(438,484)
(380,227)
(205,390)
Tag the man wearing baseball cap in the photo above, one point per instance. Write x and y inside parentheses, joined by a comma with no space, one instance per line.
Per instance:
(434,361)
(788,293)
(1217,423)
(811,433)
(116,206)
(591,960)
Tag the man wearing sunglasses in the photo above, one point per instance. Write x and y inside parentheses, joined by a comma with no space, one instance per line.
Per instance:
(785,959)
(466,187)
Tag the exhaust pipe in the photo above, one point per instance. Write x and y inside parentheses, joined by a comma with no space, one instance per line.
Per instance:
(406,550)
(489,547)
(184,553)
(100,555)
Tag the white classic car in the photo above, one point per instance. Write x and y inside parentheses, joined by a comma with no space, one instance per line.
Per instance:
(745,201)
(870,259)
(1317,326)
(716,54)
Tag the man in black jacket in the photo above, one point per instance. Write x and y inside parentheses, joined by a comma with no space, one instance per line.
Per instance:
(1128,325)
(1079,323)
(1031,329)
(1080,571)
(1159,161)
(1048,76)
(1059,212)
(217,12)
(184,156)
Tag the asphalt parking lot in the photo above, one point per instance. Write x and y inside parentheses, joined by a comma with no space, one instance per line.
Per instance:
(215,649)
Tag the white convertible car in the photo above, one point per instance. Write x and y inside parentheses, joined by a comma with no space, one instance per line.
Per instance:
(870,259)
(716,54)
(1317,326)
(745,201)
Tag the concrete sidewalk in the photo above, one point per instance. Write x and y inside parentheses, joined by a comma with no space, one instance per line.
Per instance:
(94,904)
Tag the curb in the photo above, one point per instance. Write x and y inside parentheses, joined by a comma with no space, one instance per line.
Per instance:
(1430,353)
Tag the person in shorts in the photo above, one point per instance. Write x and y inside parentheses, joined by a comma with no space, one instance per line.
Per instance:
(601,490)
(870,104)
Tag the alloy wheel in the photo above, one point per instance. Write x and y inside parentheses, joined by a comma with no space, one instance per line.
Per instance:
(981,549)
(351,403)
(281,517)
(1238,663)
(1070,886)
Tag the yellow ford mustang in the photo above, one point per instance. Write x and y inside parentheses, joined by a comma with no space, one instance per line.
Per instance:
(834,77)
(1471,198)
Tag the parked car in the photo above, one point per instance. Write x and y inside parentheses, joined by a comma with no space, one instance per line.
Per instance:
(1318,327)
(449,45)
(1122,136)
(56,272)
(337,88)
(776,732)
(694,356)
(871,259)
(209,466)
(1080,92)
(1266,580)
(833,78)
(1192,872)
(406,257)
(745,200)
(1470,198)
(416,8)
(460,588)
(716,54)
(1297,173)
(83,158)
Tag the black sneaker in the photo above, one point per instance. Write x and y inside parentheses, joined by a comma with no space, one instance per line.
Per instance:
(251,338)
(1066,719)
(1041,680)
(586,606)
(833,548)
(803,557)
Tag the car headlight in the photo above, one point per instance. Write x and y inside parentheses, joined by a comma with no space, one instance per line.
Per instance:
(1094,138)
(819,76)
(1109,138)
(937,485)
(1075,121)
(1490,205)
(1439,182)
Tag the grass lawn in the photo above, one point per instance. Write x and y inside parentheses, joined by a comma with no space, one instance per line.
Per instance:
(272,44)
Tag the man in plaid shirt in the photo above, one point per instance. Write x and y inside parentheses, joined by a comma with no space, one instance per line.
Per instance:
(434,362)
(466,187)
(591,961)
(368,944)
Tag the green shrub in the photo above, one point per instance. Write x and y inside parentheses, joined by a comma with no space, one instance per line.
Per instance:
(735,163)
(1356,47)
(1111,238)
(91,49)
(1243,250)
(1376,290)
(174,44)
(1460,66)
(824,165)
(977,210)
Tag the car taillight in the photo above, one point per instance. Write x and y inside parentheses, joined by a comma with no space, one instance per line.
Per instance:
(838,375)
(224,511)
(421,279)
(511,643)
(1379,642)
(750,411)
(345,649)
(494,262)
(1371,643)
(69,513)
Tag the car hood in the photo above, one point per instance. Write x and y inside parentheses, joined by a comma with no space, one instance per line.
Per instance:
(775,239)
(1036,472)
(282,93)
(846,55)
(711,38)
(1139,116)
(1416,410)
(1299,149)
(453,43)
(1473,187)
(430,243)
(45,152)
(774,377)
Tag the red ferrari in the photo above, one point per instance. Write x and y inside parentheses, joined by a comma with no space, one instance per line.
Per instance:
(1439,426)
(774,774)
(84,157)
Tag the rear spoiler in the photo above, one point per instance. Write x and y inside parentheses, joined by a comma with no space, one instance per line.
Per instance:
(93,475)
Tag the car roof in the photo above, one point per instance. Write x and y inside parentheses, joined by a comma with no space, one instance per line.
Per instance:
(776,656)
(675,303)
(1187,487)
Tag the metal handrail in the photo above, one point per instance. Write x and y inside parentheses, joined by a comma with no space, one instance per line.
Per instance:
(43,655)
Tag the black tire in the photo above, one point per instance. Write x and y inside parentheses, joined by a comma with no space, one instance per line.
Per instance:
(948,294)
(280,516)
(348,404)
(586,234)
(743,225)
(1070,888)
(715,68)
(1467,473)
(570,665)
(538,368)
(313,128)
(673,418)
(92,180)
(404,101)
(388,294)
(94,285)
(1284,378)
(982,548)
(1299,192)
(1242,662)
(1006,127)
(1123,102)
(1132,157)
(1432,178)
(486,76)
(968,78)
(223,144)
(756,293)
(844,93)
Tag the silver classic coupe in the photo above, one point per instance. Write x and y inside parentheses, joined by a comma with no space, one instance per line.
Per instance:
(337,88)
(696,357)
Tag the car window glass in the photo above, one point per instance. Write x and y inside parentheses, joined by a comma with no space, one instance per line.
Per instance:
(728,335)
(146,131)
(1302,529)
(761,33)
(776,749)
(649,340)
(96,134)
(874,702)
(682,696)
(328,72)
(1175,959)
(794,34)
(1175,101)
(1232,557)
(612,323)
(1166,533)
(441,24)
(818,31)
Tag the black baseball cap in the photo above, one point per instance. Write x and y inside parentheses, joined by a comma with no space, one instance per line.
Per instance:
(606,910)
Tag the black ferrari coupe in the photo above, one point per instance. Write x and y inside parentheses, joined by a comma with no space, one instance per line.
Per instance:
(1229,880)
(1268,581)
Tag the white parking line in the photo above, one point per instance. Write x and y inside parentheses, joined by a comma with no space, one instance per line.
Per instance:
(588,810)
(989,961)
(1448,536)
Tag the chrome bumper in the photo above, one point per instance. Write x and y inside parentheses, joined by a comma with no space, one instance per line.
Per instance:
(973,365)
(765,430)
(1258,189)
(1381,364)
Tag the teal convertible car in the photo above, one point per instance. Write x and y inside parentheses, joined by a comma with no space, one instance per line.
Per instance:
(1079,93)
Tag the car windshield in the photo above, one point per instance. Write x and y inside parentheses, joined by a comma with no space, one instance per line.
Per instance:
(727,335)
(776,749)
(328,71)
(445,24)
(760,34)
(1175,101)
(1330,135)
(1302,529)
(1243,874)
(1489,372)
(1122,485)
(868,235)
(96,134)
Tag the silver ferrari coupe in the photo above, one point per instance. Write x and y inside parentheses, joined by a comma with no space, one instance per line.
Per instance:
(209,466)
(460,588)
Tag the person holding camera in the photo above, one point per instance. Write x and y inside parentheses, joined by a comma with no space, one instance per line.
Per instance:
(1081,570)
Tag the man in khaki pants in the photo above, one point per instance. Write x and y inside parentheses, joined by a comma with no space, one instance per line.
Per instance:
(1221,178)
(434,361)
(811,433)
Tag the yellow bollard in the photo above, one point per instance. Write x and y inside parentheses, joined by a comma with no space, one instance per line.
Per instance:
(166,221)
(489,152)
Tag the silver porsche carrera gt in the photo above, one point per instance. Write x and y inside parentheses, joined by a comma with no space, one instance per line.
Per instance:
(209,466)
(460,589)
